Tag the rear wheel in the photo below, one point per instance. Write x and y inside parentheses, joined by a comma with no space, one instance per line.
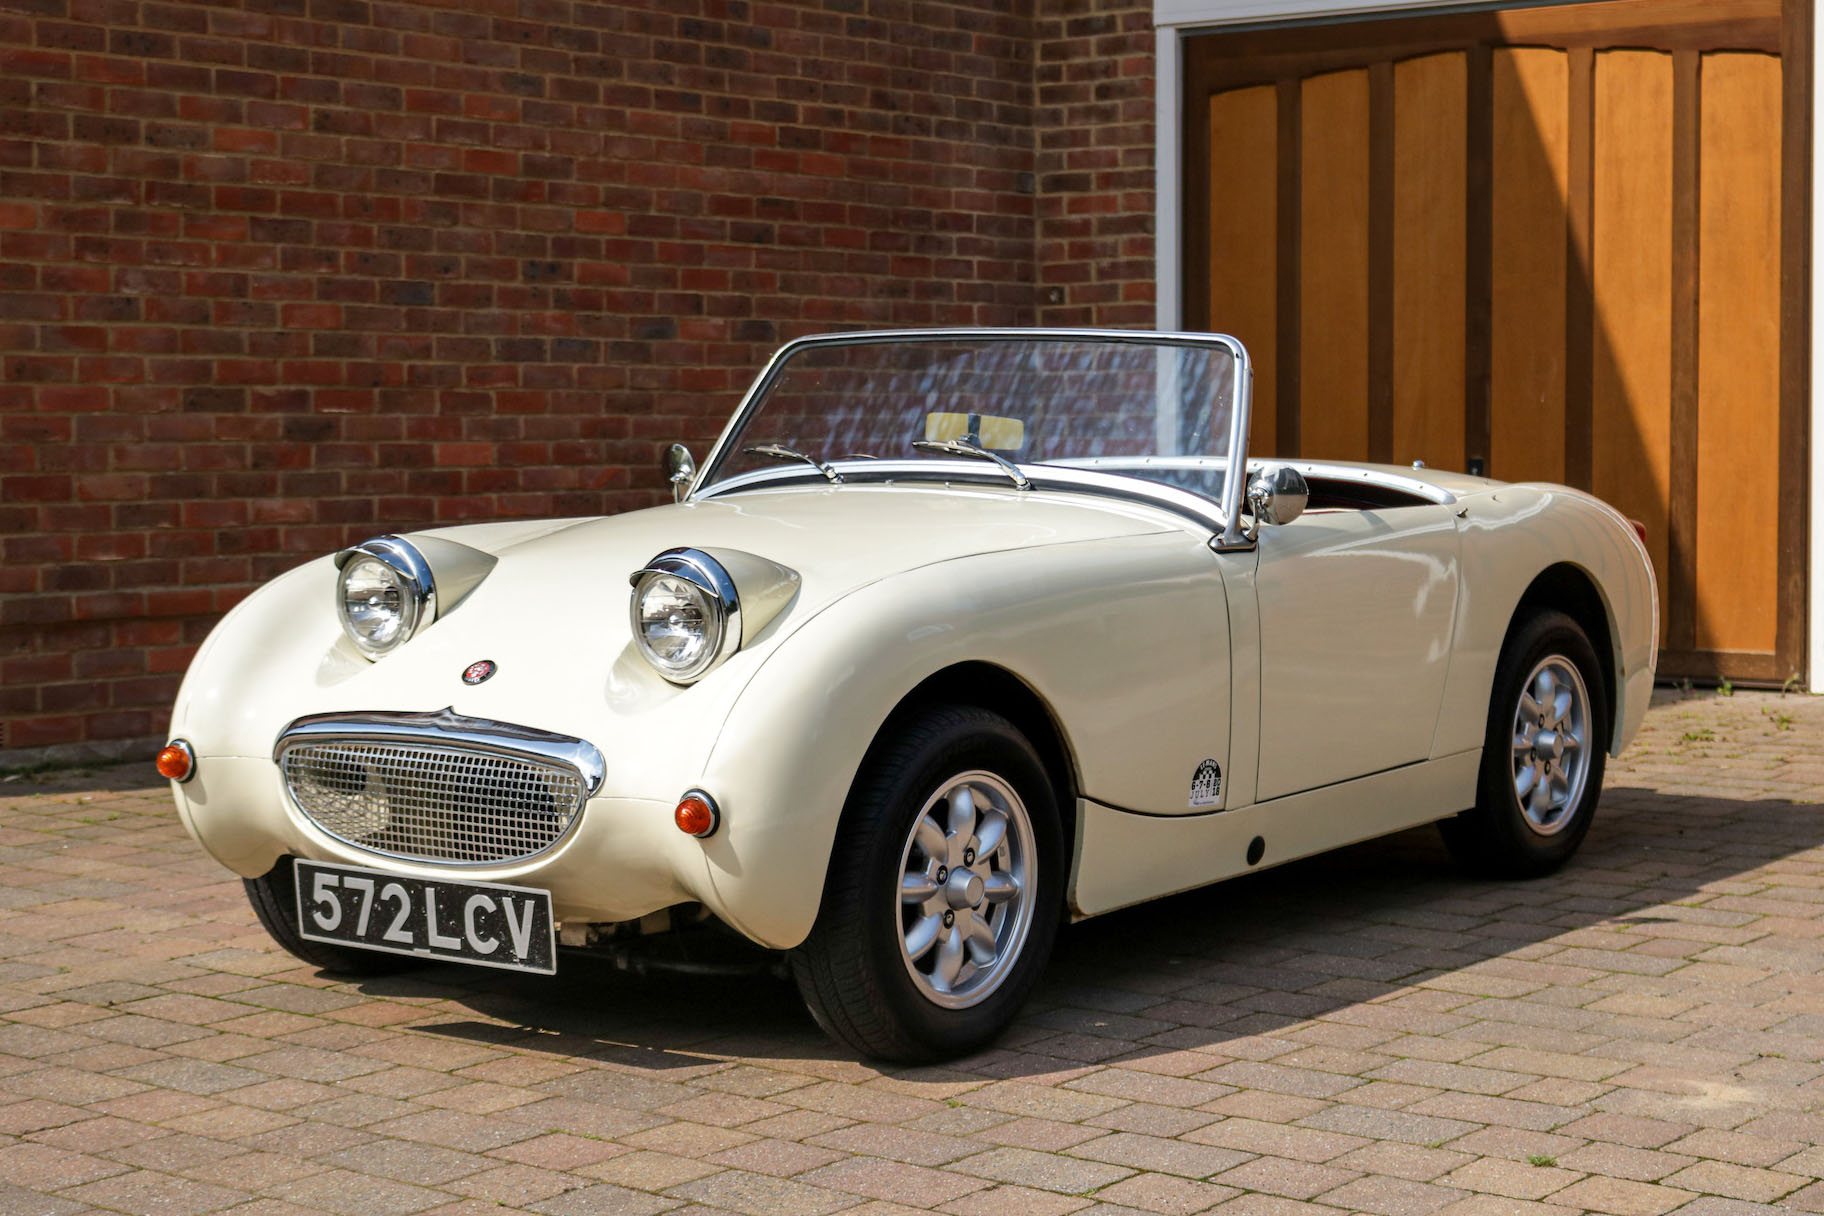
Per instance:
(1542,757)
(274,899)
(943,893)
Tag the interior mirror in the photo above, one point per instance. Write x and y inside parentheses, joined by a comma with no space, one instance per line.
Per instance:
(680,467)
(1277,494)
(989,431)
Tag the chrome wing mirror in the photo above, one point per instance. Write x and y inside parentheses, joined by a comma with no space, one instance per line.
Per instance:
(680,467)
(1276,495)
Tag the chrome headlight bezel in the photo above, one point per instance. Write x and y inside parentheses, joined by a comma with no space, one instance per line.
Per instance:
(418,587)
(707,577)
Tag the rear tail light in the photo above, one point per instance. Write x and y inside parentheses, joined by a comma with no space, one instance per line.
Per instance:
(1640,530)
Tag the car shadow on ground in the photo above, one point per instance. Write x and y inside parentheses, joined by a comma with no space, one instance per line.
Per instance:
(1195,970)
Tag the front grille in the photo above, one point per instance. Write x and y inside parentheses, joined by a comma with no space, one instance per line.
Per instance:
(429,802)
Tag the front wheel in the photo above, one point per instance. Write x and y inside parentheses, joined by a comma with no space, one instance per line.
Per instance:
(1543,755)
(943,893)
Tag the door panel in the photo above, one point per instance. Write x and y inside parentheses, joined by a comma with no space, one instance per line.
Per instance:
(1428,229)
(1739,332)
(1530,183)
(1631,394)
(1333,280)
(1356,614)
(1556,242)
(1244,244)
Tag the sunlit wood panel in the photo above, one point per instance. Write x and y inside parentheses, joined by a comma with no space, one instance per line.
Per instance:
(1631,398)
(1738,382)
(1429,204)
(1531,212)
(1333,267)
(1244,235)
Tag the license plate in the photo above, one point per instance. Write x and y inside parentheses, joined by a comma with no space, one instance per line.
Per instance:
(482,923)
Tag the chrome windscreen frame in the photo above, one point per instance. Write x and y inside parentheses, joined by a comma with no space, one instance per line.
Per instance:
(447,728)
(1225,523)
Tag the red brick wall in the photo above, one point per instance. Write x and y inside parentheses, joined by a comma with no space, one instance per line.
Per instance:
(277,275)
(1095,163)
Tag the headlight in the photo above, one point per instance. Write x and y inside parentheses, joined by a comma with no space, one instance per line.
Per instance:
(685,614)
(386,592)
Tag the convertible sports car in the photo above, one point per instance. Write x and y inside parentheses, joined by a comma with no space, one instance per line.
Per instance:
(953,634)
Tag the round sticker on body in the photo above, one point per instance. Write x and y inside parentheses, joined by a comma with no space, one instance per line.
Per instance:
(1206,784)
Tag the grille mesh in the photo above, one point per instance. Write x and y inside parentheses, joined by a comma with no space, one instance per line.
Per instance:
(432,803)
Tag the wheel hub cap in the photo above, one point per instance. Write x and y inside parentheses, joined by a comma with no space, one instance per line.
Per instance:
(1551,744)
(964,890)
(963,902)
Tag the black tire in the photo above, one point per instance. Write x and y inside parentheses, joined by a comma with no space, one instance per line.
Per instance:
(1496,838)
(274,899)
(852,970)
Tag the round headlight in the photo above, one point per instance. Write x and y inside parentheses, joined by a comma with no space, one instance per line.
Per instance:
(682,612)
(384,594)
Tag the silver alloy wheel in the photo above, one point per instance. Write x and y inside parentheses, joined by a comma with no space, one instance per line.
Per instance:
(1551,742)
(964,898)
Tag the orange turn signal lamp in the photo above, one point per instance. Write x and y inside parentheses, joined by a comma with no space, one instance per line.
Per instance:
(697,814)
(177,761)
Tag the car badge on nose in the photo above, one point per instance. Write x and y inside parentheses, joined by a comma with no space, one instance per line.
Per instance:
(478,671)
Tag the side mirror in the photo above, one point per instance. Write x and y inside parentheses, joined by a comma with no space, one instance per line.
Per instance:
(680,467)
(1276,495)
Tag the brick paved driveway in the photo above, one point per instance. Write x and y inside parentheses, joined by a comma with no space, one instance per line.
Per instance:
(1368,1032)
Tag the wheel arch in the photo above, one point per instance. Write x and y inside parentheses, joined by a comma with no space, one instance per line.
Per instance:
(1568,588)
(992,687)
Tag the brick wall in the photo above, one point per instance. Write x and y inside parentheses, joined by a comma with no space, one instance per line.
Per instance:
(1094,137)
(278,274)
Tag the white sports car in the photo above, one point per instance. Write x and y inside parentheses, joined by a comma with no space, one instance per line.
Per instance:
(952,635)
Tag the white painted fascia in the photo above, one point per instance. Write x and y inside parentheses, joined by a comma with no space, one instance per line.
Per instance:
(1190,14)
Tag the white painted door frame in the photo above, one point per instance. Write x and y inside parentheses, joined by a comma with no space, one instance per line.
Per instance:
(1174,19)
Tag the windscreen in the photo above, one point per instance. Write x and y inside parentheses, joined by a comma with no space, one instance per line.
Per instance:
(1161,410)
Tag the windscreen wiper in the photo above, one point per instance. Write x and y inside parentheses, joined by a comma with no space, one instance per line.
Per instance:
(962,447)
(779,452)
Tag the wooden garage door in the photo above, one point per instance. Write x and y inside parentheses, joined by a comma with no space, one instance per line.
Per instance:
(1560,243)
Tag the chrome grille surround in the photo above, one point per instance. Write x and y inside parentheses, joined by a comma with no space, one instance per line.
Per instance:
(437,787)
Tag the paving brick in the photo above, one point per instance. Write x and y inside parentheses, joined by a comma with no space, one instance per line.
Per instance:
(1284,1176)
(760,1195)
(1622,1198)
(1736,1181)
(604,1200)
(146,1190)
(1165,1194)
(896,1181)
(999,1201)
(647,1171)
(1159,1154)
(1045,1171)
(781,1158)
(898,1143)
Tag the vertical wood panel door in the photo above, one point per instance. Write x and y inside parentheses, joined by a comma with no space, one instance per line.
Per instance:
(1558,243)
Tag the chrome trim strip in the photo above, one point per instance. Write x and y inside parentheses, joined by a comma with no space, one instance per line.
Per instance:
(447,728)
(1229,531)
